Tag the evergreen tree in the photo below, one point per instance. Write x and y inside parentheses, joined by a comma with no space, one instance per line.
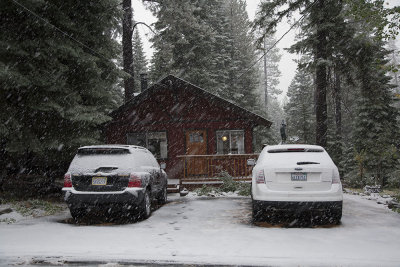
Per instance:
(55,92)
(275,114)
(300,110)
(271,73)
(322,24)
(208,43)
(127,53)
(376,132)
(139,59)
(242,76)
(183,41)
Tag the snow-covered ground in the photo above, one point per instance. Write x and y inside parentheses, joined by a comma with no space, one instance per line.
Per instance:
(196,230)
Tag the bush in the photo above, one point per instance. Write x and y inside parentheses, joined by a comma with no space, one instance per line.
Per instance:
(394,179)
(352,179)
(204,190)
(228,185)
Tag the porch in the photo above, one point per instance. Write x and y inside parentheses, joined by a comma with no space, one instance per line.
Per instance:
(201,170)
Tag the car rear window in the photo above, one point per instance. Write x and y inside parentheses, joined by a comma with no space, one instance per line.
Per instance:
(90,160)
(102,151)
(282,157)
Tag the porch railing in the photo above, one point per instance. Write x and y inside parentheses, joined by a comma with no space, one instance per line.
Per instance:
(199,166)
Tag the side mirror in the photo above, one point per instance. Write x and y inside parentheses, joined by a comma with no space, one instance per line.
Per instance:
(163,165)
(251,162)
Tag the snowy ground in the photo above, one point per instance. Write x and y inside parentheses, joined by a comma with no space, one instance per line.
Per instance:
(193,230)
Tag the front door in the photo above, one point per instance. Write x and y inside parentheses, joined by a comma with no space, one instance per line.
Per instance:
(196,144)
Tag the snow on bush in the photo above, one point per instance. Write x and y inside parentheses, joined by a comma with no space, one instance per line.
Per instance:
(228,185)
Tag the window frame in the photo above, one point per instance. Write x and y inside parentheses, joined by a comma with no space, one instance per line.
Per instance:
(230,131)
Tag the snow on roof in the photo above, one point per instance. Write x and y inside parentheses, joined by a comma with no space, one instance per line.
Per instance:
(169,80)
(213,95)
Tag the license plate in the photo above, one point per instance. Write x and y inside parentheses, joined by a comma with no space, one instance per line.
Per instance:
(299,176)
(99,180)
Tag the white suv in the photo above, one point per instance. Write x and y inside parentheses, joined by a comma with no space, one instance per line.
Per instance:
(295,179)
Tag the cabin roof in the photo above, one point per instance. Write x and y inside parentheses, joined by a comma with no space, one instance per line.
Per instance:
(172,81)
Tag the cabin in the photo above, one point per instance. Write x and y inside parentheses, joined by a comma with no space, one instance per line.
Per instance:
(196,133)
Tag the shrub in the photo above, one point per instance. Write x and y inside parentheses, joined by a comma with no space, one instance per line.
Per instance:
(204,190)
(230,185)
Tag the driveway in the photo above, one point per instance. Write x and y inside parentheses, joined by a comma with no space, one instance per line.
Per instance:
(206,231)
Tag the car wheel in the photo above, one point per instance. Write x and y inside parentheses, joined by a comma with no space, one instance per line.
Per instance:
(76,214)
(336,217)
(257,213)
(163,196)
(145,210)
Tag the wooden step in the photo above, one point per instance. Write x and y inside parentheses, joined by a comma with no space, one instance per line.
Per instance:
(173,185)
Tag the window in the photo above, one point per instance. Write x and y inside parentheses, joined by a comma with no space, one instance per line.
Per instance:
(156,142)
(196,138)
(230,142)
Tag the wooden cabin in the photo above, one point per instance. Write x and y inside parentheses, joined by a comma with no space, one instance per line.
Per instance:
(197,134)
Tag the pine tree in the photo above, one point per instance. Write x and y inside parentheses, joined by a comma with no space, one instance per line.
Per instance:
(139,59)
(208,43)
(321,21)
(270,73)
(183,41)
(300,109)
(54,92)
(376,133)
(127,53)
(242,75)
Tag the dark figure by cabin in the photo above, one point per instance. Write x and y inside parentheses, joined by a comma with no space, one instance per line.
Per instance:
(283,132)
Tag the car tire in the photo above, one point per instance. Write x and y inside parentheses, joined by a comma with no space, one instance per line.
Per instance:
(145,207)
(257,213)
(336,216)
(76,214)
(162,199)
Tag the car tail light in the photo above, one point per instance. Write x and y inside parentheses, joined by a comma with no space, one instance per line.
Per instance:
(260,178)
(335,178)
(134,180)
(67,180)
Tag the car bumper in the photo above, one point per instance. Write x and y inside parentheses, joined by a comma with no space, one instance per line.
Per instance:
(297,207)
(262,193)
(79,199)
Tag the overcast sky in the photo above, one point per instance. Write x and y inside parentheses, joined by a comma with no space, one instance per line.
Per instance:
(287,65)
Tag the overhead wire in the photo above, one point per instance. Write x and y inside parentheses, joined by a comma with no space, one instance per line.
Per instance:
(100,55)
(72,38)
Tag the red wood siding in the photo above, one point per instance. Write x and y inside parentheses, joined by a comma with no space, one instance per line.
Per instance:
(174,111)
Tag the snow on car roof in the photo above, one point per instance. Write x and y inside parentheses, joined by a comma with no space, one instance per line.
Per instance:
(112,146)
(288,147)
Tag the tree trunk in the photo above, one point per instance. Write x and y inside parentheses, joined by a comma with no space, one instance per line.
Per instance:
(129,82)
(338,105)
(321,79)
(265,77)
(337,92)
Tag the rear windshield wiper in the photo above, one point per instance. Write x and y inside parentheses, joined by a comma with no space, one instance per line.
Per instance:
(306,162)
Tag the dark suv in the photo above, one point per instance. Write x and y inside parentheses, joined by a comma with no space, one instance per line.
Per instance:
(114,178)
